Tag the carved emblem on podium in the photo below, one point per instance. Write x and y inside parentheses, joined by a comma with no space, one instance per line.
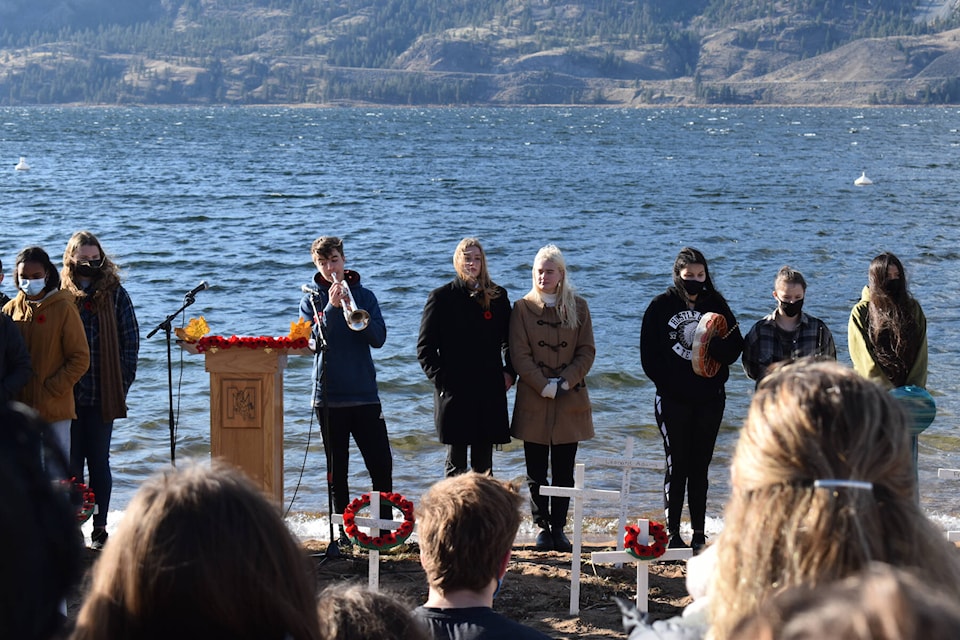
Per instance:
(243,404)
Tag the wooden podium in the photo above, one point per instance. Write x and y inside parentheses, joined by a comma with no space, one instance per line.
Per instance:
(246,411)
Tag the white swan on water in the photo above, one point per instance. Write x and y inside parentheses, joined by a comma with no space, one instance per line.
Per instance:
(22,165)
(863,180)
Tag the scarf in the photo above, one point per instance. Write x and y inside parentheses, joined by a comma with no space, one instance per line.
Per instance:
(112,397)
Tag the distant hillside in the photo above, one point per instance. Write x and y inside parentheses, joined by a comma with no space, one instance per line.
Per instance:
(497,52)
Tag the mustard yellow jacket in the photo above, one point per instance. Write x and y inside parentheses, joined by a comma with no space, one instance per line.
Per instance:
(58,350)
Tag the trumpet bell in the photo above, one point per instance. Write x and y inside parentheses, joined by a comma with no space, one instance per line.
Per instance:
(358,319)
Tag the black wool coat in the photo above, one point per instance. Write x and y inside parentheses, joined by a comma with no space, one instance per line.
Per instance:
(464,351)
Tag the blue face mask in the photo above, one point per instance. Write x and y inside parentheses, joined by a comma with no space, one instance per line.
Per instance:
(33,287)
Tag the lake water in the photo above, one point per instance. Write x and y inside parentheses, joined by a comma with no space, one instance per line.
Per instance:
(235,196)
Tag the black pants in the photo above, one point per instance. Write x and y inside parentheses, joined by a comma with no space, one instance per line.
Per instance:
(369,429)
(90,447)
(689,433)
(561,457)
(481,458)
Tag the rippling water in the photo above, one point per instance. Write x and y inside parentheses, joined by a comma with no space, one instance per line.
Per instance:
(235,196)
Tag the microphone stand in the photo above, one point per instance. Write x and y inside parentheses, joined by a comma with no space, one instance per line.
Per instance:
(333,549)
(188,300)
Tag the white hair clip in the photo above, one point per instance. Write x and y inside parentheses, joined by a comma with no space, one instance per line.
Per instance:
(839,483)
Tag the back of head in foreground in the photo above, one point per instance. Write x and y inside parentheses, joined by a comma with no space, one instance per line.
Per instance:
(201,553)
(788,522)
(880,603)
(466,526)
(354,612)
(42,544)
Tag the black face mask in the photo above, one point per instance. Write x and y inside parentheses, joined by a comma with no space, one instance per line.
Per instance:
(692,287)
(791,309)
(893,287)
(89,268)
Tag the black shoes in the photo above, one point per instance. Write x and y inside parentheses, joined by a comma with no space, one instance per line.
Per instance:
(553,539)
(560,541)
(698,543)
(676,542)
(544,541)
(98,538)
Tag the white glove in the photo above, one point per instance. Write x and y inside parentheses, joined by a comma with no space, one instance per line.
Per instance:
(564,384)
(550,390)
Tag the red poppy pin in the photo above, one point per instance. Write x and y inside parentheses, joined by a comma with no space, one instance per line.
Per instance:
(487,315)
(87,305)
(41,319)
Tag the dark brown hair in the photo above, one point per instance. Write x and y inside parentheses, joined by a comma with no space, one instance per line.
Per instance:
(201,553)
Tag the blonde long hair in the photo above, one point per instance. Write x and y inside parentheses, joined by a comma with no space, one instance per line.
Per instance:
(487,288)
(566,292)
(811,421)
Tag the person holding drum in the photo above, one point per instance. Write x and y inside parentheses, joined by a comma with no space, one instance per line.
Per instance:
(788,333)
(688,340)
(552,349)
(887,333)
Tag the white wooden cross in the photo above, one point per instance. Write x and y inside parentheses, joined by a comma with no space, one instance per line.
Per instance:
(627,463)
(643,566)
(950,474)
(578,494)
(373,526)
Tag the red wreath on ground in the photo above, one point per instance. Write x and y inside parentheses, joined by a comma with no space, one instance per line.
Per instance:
(646,551)
(388,540)
(82,496)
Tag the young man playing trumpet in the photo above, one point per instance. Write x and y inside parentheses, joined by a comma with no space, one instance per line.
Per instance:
(347,323)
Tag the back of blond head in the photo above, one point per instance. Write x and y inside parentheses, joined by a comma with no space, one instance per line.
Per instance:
(813,421)
(466,525)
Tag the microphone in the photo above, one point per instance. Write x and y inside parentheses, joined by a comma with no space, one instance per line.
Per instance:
(197,289)
(311,290)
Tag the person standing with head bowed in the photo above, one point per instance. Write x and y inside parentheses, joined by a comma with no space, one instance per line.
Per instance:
(789,332)
(688,406)
(552,349)
(887,333)
(110,324)
(464,350)
(345,397)
(50,324)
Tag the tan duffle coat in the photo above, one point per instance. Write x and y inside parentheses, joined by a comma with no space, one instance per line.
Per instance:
(541,349)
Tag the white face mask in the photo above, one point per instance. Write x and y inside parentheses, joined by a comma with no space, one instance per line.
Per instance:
(33,287)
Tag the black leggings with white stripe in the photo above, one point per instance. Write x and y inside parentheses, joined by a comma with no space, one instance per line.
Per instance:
(689,431)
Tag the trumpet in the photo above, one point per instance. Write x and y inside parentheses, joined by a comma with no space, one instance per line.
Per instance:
(357,319)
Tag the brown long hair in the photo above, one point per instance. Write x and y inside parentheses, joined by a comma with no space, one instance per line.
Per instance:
(809,421)
(107,280)
(487,288)
(201,553)
(891,321)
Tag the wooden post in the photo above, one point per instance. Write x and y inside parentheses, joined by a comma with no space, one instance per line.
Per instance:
(578,494)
